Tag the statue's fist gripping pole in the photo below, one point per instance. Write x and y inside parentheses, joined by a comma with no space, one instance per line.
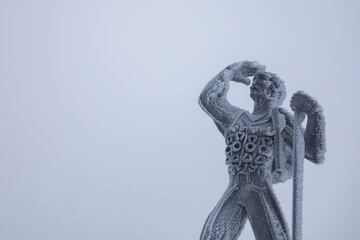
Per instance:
(312,142)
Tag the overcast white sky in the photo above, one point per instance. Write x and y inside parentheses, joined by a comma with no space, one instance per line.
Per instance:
(101,136)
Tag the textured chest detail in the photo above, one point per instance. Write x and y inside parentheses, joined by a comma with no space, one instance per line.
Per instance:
(249,149)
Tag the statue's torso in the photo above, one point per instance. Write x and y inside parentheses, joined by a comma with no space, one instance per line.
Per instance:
(249,147)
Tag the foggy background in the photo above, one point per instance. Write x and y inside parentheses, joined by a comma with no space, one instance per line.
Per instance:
(101,134)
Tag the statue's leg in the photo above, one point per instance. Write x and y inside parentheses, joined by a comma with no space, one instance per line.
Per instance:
(227,219)
(265,215)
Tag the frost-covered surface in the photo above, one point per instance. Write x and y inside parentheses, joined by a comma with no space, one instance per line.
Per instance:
(262,148)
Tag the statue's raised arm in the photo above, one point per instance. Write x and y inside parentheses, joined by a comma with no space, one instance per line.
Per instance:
(213,97)
(314,133)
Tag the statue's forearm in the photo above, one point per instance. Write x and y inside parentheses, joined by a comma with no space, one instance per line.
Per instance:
(315,142)
(213,99)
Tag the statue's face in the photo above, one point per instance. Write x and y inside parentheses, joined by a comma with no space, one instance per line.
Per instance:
(263,89)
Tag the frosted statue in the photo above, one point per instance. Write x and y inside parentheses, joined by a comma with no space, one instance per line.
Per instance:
(264,147)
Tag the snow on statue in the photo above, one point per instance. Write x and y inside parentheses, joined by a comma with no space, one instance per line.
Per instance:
(264,147)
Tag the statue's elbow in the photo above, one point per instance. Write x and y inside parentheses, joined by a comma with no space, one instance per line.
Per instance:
(315,139)
(203,101)
(204,106)
(315,146)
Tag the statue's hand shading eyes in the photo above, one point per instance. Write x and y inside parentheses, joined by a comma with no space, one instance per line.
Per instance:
(241,71)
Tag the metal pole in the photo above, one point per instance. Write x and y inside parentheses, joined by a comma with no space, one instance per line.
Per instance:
(299,146)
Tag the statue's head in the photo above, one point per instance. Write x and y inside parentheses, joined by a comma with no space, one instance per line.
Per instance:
(267,86)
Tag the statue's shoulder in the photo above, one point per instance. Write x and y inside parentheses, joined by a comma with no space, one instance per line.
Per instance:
(237,116)
(241,119)
(289,118)
(288,130)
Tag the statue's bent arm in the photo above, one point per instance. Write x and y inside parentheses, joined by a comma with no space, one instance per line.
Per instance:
(314,134)
(213,101)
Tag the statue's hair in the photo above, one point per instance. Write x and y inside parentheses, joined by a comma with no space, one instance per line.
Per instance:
(278,85)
